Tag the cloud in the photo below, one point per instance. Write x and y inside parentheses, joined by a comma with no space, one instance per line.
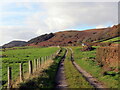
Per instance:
(59,1)
(61,16)
(100,26)
(9,33)
(45,17)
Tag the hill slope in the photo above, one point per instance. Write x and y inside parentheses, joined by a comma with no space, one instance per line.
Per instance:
(41,38)
(14,44)
(74,37)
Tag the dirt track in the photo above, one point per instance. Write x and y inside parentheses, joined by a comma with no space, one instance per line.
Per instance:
(60,76)
(92,80)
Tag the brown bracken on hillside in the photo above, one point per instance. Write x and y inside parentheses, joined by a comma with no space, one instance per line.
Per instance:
(66,38)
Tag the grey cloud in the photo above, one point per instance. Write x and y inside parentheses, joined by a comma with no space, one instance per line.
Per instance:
(63,15)
(15,33)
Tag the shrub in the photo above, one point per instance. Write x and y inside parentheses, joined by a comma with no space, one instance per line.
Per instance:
(87,48)
(108,57)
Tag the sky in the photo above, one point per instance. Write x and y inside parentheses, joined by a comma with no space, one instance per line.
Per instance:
(26,19)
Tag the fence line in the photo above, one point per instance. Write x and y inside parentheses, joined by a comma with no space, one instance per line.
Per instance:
(32,67)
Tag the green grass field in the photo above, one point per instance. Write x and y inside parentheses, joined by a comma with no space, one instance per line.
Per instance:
(14,57)
(87,61)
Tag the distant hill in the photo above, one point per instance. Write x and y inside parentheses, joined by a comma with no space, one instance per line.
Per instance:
(40,38)
(14,44)
(71,37)
(74,37)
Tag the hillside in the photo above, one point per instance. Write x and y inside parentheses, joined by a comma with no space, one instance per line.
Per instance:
(14,44)
(40,38)
(75,37)
(113,40)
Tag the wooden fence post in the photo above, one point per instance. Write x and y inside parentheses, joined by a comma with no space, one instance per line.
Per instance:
(44,59)
(21,72)
(35,68)
(30,67)
(9,77)
(37,63)
(47,57)
(54,55)
(51,57)
(40,61)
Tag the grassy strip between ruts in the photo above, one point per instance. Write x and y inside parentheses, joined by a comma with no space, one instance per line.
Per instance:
(87,61)
(46,78)
(73,77)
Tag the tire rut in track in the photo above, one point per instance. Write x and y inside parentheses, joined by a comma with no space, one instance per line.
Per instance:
(60,76)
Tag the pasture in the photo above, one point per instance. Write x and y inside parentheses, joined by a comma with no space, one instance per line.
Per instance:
(13,57)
